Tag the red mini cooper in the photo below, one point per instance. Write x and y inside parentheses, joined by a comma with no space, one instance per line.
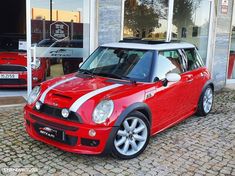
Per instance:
(13,64)
(121,95)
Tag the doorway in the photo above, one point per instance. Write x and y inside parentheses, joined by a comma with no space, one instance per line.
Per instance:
(60,37)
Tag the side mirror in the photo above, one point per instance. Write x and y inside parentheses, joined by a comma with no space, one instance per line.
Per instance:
(173,77)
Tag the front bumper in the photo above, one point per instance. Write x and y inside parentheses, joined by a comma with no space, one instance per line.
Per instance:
(76,133)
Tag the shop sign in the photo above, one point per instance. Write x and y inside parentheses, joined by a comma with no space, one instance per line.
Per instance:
(59,30)
(56,52)
(224,7)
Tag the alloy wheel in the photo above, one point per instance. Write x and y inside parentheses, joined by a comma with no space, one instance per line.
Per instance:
(208,100)
(131,137)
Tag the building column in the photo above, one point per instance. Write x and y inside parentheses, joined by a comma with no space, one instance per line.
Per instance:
(222,44)
(110,21)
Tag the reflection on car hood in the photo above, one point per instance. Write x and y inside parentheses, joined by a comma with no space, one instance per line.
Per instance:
(13,58)
(69,90)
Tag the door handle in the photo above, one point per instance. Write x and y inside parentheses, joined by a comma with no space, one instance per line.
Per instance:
(189,80)
(203,75)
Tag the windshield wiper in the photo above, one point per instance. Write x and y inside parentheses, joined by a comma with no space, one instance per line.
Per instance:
(109,75)
(130,79)
(112,75)
(86,72)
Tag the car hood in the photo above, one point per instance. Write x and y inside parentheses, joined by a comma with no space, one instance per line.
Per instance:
(13,58)
(72,91)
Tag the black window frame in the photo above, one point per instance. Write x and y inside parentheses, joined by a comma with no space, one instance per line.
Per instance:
(198,58)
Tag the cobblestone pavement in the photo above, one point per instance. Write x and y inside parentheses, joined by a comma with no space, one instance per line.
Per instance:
(197,146)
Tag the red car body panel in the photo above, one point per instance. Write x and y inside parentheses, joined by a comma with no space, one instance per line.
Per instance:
(11,60)
(166,104)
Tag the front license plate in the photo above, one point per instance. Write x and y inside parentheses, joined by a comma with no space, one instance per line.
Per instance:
(9,76)
(50,132)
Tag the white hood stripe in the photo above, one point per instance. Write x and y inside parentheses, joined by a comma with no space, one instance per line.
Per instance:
(79,102)
(42,99)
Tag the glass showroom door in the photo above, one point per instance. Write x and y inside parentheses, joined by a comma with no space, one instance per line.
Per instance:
(150,20)
(231,65)
(191,23)
(60,37)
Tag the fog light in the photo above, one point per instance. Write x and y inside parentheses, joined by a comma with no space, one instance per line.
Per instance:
(38,105)
(65,113)
(92,133)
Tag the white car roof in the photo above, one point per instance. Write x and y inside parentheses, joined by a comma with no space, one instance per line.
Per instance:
(163,46)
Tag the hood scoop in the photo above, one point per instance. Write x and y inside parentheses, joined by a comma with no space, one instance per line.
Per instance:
(56,95)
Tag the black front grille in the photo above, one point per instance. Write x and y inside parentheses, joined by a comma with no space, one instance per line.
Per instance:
(12,68)
(13,82)
(45,122)
(56,112)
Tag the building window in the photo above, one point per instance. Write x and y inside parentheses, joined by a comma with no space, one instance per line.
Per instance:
(145,19)
(191,23)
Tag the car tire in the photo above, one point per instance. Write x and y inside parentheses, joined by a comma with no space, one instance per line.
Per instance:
(132,137)
(205,102)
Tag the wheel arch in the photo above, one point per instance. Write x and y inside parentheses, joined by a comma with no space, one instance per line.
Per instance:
(209,83)
(213,86)
(199,108)
(140,107)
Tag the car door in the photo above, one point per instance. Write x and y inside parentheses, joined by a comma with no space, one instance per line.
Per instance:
(168,103)
(196,74)
(188,79)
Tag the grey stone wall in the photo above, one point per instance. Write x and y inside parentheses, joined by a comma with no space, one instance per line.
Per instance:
(223,34)
(109,21)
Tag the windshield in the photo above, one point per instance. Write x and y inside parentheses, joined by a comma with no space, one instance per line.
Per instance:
(120,63)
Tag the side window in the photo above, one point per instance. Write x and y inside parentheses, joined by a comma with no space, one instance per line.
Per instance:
(194,60)
(168,62)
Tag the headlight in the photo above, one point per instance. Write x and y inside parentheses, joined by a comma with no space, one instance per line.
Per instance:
(103,111)
(37,63)
(34,95)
